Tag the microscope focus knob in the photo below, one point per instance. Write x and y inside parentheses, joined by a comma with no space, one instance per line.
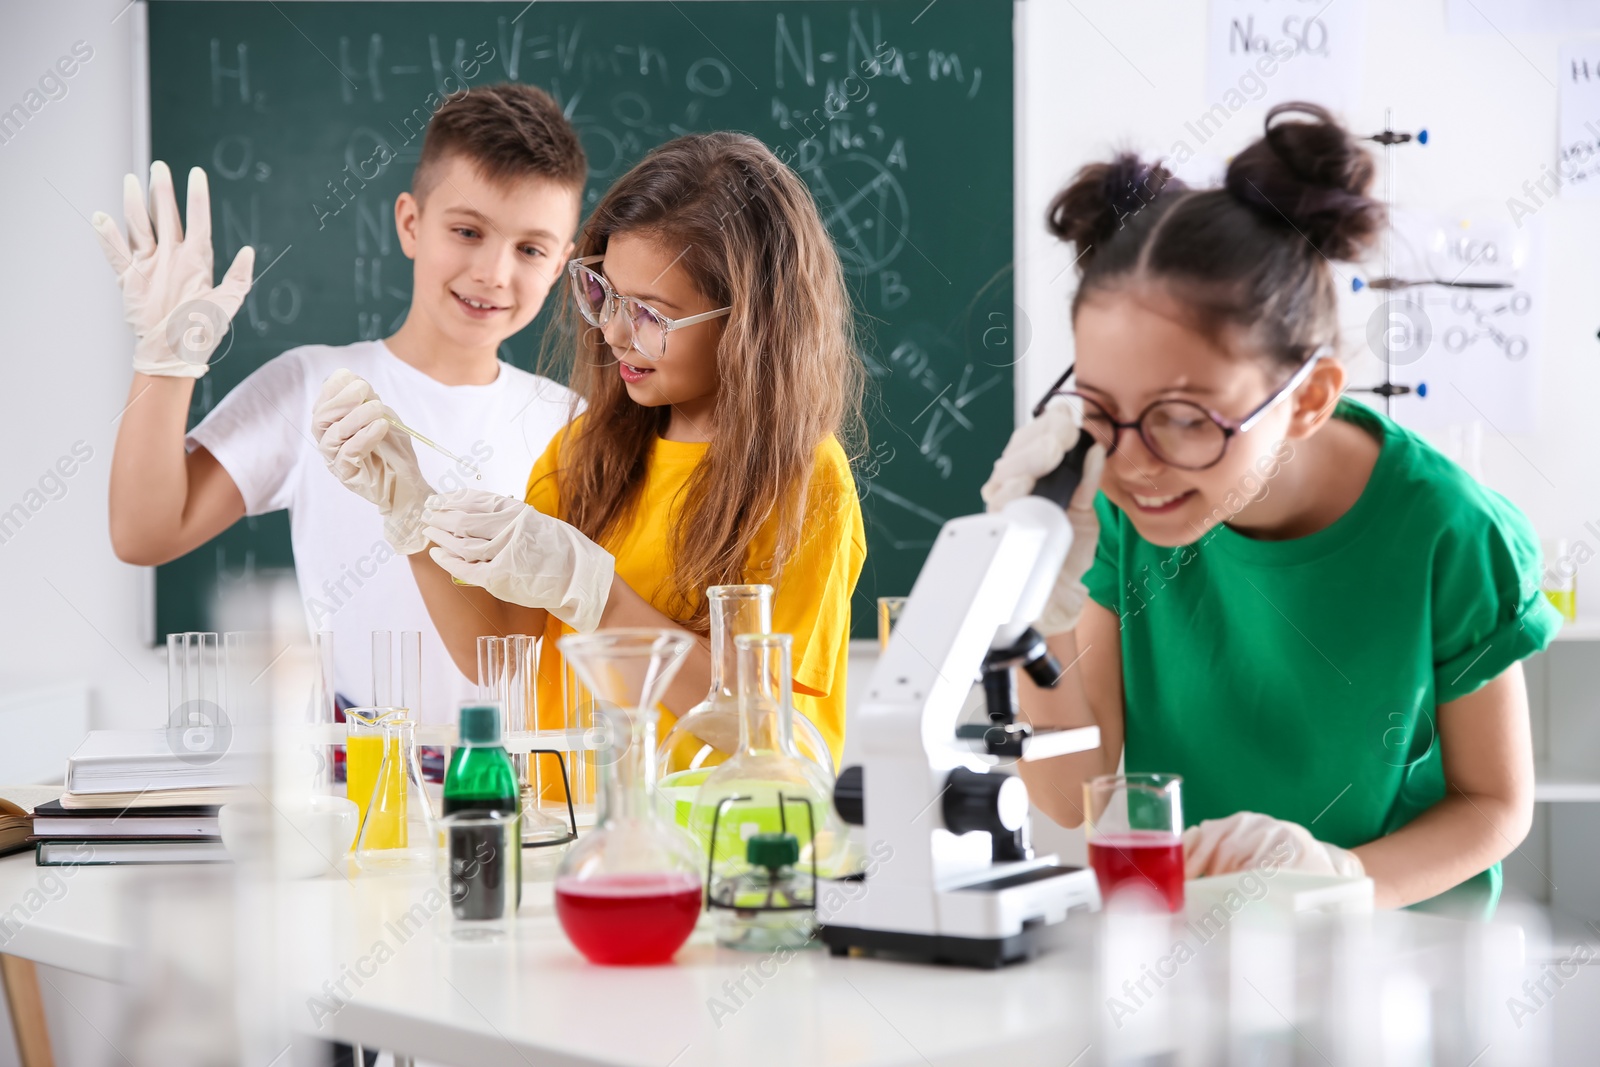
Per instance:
(994,802)
(849,795)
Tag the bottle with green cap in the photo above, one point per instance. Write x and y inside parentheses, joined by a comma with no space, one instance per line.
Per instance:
(770,905)
(481,777)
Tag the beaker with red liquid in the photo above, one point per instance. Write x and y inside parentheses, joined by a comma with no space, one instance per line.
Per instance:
(1134,827)
(629,892)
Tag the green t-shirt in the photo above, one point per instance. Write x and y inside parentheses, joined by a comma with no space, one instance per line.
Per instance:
(1300,678)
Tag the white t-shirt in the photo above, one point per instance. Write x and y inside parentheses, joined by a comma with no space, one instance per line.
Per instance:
(351,581)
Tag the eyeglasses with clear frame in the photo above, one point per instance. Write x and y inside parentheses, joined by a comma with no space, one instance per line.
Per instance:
(646,328)
(1180,433)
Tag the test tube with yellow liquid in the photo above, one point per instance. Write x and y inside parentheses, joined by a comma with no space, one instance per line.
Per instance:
(1560,581)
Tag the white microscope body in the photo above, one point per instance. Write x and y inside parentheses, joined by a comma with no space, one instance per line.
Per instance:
(955,880)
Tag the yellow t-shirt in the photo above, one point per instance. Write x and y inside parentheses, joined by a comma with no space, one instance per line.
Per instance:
(811,601)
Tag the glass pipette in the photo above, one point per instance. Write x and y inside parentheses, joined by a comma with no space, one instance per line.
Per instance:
(443,451)
(436,446)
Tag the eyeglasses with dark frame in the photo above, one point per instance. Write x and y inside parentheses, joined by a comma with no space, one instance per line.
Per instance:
(647,328)
(1180,433)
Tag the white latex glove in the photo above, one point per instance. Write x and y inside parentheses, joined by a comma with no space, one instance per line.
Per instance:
(1036,449)
(1249,840)
(520,555)
(177,316)
(372,458)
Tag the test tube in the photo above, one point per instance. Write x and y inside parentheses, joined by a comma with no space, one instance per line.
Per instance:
(1560,581)
(193,676)
(196,727)
(321,710)
(578,711)
(507,676)
(491,664)
(243,669)
(323,707)
(382,668)
(517,707)
(246,688)
(411,672)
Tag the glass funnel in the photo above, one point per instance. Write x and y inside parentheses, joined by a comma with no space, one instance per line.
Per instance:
(767,787)
(709,733)
(629,891)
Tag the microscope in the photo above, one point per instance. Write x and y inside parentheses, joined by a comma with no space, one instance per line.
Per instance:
(957,881)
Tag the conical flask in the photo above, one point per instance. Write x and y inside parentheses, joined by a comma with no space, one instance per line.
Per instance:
(709,733)
(767,787)
(629,891)
(364,746)
(399,828)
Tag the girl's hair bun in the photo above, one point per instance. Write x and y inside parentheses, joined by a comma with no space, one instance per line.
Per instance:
(1313,176)
(1102,197)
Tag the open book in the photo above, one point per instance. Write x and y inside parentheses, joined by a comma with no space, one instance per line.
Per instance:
(16,813)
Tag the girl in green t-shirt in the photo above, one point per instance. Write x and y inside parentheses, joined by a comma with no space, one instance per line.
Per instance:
(1288,599)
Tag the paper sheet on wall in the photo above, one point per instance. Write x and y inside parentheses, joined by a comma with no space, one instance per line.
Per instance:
(1263,52)
(1578,156)
(1476,350)
(1521,16)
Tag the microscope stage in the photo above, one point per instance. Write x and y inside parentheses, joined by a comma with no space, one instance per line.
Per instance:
(986,923)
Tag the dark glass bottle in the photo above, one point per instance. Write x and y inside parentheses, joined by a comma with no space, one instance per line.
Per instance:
(481,777)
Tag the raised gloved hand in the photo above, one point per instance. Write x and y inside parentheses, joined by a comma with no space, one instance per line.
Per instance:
(1036,448)
(1248,840)
(365,452)
(520,555)
(177,316)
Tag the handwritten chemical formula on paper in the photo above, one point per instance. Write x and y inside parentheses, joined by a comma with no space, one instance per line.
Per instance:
(1578,154)
(1317,47)
(1476,349)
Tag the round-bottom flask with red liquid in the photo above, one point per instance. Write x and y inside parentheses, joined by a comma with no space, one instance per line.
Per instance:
(630,891)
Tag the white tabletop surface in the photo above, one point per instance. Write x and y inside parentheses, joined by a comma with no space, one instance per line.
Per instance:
(539,1001)
(534,1000)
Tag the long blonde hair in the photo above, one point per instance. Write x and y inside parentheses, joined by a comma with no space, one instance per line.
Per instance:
(789,372)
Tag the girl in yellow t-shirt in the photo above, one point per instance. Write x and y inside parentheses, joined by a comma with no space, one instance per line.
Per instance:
(715,358)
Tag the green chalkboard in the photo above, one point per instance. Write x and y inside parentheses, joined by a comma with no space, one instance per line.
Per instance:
(914,176)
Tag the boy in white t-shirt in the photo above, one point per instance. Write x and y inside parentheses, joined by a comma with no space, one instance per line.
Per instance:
(488,225)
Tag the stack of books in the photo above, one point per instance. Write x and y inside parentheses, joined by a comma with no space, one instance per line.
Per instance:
(133,798)
(167,833)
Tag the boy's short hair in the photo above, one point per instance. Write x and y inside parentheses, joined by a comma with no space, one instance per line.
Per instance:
(509,131)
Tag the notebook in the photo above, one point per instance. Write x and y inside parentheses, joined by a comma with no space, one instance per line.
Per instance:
(52,821)
(112,853)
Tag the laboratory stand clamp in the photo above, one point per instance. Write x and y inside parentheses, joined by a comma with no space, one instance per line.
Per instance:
(958,881)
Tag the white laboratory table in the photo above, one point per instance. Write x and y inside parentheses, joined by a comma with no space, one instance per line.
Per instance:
(535,1001)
